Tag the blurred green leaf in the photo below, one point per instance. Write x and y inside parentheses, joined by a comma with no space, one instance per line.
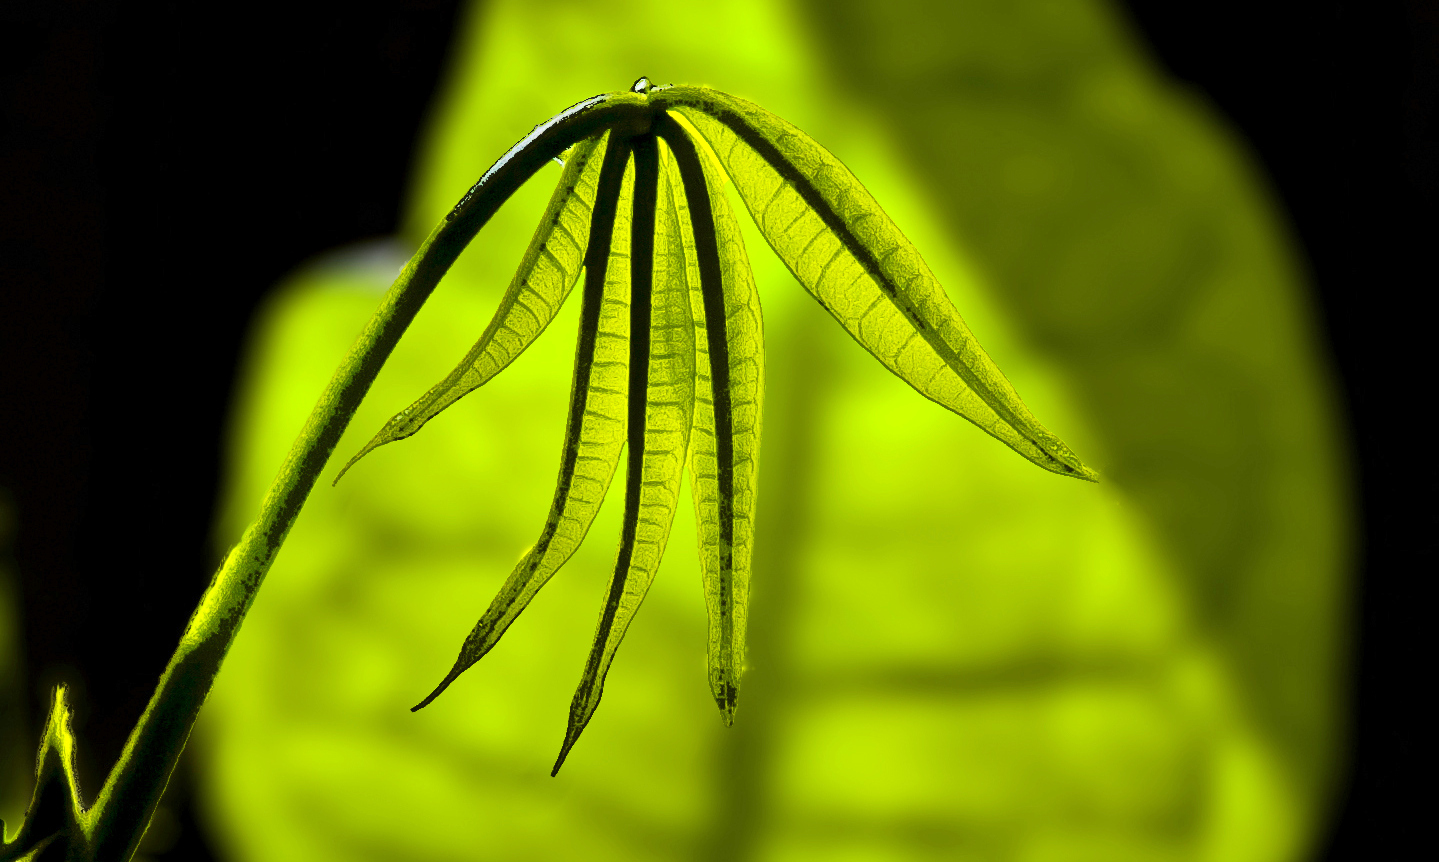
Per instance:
(1166,292)
(845,250)
(952,655)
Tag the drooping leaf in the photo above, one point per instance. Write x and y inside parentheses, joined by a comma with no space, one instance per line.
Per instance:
(595,430)
(541,284)
(846,251)
(661,368)
(724,445)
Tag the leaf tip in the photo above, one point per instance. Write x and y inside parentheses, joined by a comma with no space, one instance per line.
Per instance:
(379,440)
(582,709)
(399,427)
(348,464)
(572,735)
(726,695)
(1059,458)
(1070,465)
(454,674)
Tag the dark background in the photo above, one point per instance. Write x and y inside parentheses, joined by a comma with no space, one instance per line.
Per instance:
(142,142)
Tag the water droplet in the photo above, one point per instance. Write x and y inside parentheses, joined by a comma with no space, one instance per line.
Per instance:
(642,86)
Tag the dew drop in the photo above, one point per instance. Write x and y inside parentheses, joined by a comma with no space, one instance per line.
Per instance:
(642,86)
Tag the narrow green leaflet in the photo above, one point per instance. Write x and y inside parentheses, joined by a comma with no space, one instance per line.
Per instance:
(662,367)
(846,251)
(595,430)
(546,275)
(724,445)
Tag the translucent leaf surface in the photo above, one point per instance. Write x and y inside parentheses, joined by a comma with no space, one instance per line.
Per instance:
(540,286)
(663,367)
(724,445)
(952,656)
(595,431)
(846,251)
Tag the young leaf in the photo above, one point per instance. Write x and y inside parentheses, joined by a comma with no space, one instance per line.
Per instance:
(724,445)
(846,251)
(670,357)
(661,369)
(546,275)
(595,429)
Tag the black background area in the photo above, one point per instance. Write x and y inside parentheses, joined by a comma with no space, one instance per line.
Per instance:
(143,144)
(162,165)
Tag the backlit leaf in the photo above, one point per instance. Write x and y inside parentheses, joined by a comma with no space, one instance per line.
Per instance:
(595,432)
(662,367)
(953,656)
(724,445)
(846,251)
(543,281)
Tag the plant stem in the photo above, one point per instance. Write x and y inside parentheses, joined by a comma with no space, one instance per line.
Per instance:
(114,826)
(118,819)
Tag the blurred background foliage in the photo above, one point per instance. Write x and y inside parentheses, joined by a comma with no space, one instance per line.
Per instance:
(954,655)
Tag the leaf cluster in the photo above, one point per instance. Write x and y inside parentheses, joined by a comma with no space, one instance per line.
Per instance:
(669,363)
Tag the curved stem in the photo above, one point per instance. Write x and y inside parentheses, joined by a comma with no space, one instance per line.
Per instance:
(114,826)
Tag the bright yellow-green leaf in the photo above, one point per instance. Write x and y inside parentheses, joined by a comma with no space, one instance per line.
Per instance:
(953,656)
(594,436)
(846,251)
(540,286)
(663,368)
(724,499)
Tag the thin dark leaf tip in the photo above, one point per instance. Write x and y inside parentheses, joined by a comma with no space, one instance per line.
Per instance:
(439,689)
(352,462)
(572,735)
(461,665)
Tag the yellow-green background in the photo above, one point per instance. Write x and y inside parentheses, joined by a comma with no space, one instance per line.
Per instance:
(954,655)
